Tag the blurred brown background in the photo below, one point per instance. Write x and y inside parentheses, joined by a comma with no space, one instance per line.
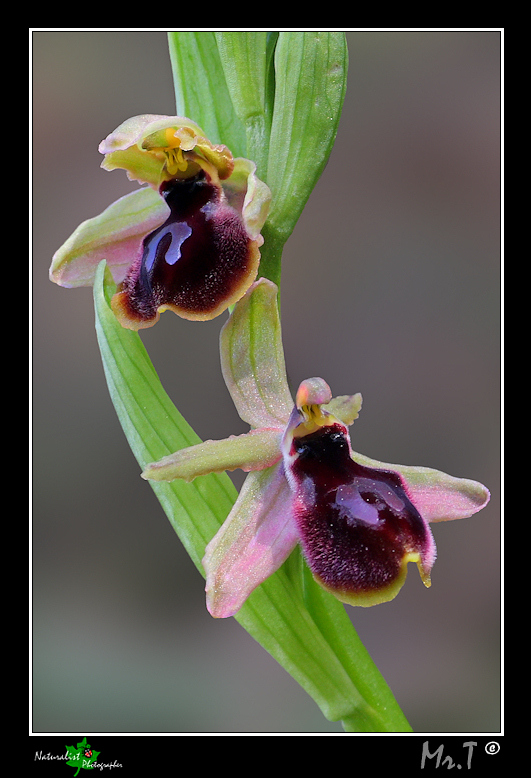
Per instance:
(390,288)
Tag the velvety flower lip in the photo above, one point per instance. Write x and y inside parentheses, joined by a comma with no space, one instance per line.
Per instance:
(189,242)
(359,521)
(357,526)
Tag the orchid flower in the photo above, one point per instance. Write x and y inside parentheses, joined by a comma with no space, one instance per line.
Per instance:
(358,521)
(188,242)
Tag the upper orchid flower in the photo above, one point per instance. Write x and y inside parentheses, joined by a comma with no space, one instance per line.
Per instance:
(359,521)
(189,242)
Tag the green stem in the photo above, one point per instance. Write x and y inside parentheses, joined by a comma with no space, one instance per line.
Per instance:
(271,254)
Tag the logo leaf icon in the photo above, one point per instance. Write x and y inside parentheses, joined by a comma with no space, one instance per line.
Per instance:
(82,756)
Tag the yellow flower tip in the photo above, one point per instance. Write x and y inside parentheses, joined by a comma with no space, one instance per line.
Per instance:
(313,418)
(176,163)
(424,574)
(172,141)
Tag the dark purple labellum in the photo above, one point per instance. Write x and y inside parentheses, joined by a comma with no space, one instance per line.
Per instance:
(196,263)
(356,523)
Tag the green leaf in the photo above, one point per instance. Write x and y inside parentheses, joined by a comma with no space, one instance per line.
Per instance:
(154,428)
(243,58)
(201,91)
(272,38)
(310,84)
(308,632)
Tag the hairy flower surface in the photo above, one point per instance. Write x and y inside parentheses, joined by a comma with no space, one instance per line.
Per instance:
(359,521)
(188,242)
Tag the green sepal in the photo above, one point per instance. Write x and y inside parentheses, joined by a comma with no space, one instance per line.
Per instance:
(252,358)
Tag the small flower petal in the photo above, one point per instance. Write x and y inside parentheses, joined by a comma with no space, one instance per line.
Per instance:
(345,407)
(248,194)
(257,537)
(255,450)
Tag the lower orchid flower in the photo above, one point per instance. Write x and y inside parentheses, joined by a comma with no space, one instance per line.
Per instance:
(359,521)
(188,242)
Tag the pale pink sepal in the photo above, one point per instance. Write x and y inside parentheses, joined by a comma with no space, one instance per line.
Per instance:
(257,537)
(115,235)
